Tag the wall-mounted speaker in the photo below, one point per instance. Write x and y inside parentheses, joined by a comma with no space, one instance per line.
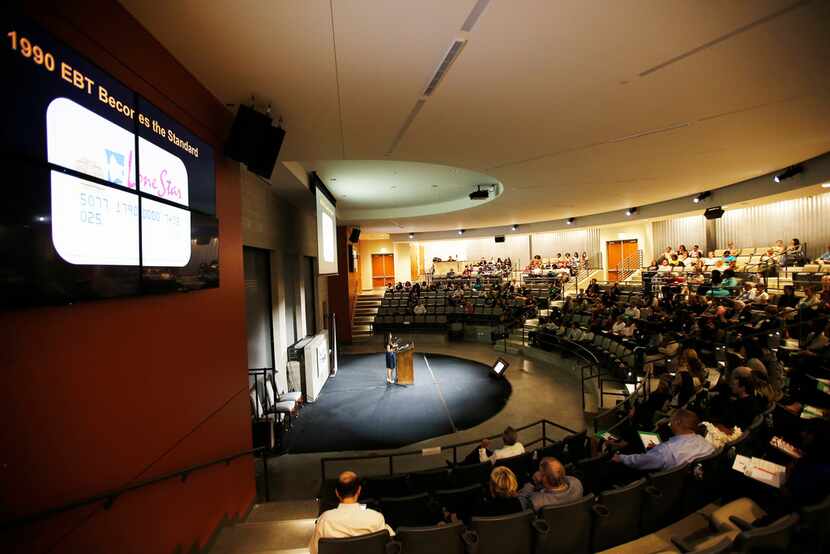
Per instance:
(254,141)
(355,234)
(500,238)
(715,212)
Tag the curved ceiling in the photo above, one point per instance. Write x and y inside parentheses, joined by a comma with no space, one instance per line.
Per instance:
(576,107)
(372,189)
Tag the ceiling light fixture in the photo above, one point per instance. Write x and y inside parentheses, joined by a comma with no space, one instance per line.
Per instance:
(461,231)
(825,185)
(514,227)
(571,220)
(791,171)
(701,197)
(631,211)
(411,235)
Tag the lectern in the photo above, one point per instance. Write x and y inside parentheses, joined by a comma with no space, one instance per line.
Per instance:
(406,376)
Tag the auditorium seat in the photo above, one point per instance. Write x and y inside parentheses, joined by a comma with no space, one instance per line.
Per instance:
(593,472)
(775,537)
(412,511)
(510,534)
(576,447)
(704,480)
(569,526)
(473,474)
(430,480)
(436,539)
(815,522)
(521,466)
(386,486)
(555,450)
(662,503)
(618,515)
(461,500)
(373,543)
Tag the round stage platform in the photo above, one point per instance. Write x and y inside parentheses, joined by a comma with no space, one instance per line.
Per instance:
(357,410)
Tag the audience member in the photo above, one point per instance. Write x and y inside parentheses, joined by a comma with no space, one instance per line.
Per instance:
(349,519)
(550,486)
(502,496)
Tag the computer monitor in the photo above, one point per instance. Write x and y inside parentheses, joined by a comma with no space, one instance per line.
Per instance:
(500,367)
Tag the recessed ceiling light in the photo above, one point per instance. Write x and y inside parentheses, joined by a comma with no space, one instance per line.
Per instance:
(411,235)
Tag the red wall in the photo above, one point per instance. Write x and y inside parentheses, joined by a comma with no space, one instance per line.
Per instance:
(100,394)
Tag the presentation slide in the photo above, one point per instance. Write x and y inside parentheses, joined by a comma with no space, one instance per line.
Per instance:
(326,235)
(112,196)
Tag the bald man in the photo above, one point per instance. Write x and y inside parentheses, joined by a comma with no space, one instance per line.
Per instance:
(685,446)
(349,519)
(550,486)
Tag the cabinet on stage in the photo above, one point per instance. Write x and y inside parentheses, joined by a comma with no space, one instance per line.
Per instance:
(406,375)
(309,364)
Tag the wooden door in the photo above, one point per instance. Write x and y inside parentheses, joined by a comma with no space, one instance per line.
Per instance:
(383,270)
(619,251)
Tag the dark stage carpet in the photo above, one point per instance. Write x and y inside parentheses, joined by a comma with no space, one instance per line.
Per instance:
(357,410)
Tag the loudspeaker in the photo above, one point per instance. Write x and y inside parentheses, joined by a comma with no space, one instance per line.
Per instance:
(265,155)
(254,141)
(355,235)
(500,238)
(715,212)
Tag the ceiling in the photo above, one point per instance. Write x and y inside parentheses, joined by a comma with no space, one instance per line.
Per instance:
(575,107)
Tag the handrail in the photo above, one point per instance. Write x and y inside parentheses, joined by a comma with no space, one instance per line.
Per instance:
(543,422)
(109,497)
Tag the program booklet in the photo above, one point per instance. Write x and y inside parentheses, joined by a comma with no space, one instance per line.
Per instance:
(761,470)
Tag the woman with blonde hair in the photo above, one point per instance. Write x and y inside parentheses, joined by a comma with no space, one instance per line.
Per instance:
(503,494)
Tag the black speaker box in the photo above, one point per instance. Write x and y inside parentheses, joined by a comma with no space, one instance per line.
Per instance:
(500,238)
(265,155)
(248,128)
(355,235)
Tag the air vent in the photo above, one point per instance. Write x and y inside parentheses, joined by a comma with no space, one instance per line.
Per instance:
(444,66)
(407,122)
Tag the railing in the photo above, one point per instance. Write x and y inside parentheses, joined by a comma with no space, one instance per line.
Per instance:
(108,498)
(629,265)
(544,423)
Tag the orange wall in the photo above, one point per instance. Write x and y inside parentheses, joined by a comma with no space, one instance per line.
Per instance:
(99,394)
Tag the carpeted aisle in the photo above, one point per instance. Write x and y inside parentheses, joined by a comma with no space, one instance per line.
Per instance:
(357,410)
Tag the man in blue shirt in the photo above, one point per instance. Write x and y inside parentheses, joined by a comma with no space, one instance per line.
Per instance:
(685,446)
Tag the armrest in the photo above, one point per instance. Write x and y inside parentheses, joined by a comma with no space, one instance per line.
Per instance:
(394,547)
(740,523)
(682,545)
(470,539)
(541,526)
(653,492)
(600,510)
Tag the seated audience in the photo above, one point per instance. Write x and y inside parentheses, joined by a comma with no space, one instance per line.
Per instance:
(684,447)
(824,258)
(502,498)
(794,254)
(349,519)
(745,406)
(512,447)
(550,486)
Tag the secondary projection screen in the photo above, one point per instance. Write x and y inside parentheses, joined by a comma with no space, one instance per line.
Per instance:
(326,234)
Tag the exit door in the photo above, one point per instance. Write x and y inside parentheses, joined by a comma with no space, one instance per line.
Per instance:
(383,270)
(622,255)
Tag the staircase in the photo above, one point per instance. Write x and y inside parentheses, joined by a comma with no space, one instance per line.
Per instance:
(365,310)
(272,528)
(515,341)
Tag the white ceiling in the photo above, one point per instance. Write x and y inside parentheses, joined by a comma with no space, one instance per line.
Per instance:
(576,107)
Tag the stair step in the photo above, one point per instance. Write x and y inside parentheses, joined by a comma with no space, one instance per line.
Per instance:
(248,538)
(364,328)
(282,510)
(363,319)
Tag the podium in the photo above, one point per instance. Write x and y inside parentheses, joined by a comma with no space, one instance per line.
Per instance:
(406,375)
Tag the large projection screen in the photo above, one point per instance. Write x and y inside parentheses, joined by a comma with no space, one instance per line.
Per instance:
(326,235)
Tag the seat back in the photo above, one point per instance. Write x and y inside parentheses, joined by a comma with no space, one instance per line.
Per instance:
(413,511)
(373,543)
(775,537)
(704,481)
(430,481)
(576,447)
(460,501)
(505,534)
(570,526)
(618,519)
(520,465)
(385,486)
(664,495)
(432,540)
(465,475)
(815,520)
(594,473)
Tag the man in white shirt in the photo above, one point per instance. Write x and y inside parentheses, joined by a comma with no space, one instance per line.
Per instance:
(349,519)
(512,447)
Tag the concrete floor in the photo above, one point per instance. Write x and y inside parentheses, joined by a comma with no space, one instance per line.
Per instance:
(540,390)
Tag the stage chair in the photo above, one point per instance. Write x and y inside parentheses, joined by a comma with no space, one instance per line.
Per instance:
(437,539)
(410,511)
(570,526)
(507,534)
(373,543)
(275,396)
(618,515)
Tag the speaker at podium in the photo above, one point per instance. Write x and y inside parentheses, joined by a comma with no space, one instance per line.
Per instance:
(406,375)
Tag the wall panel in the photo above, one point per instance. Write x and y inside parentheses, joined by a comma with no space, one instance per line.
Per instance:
(688,231)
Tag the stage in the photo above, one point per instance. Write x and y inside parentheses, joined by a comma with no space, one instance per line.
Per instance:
(357,410)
